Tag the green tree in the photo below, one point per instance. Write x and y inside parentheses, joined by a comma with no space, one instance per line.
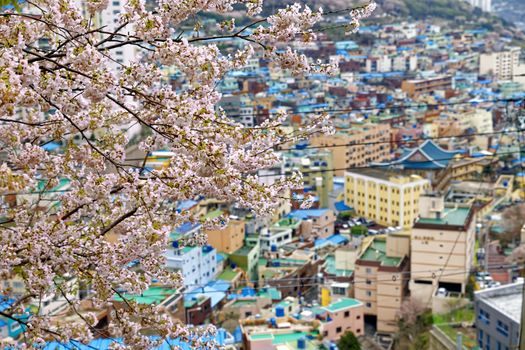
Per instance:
(349,342)
(359,230)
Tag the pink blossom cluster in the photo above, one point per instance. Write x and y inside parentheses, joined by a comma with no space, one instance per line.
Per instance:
(89,211)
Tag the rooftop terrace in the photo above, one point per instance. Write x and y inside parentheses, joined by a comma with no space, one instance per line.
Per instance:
(228,275)
(213,214)
(376,251)
(331,269)
(244,250)
(152,295)
(451,216)
(343,304)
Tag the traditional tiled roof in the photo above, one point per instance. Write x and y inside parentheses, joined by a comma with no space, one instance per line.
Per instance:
(428,155)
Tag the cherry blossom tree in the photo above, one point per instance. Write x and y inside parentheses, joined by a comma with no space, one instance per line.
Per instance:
(60,81)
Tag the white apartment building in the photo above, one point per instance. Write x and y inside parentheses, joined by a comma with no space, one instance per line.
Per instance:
(274,237)
(198,265)
(502,64)
(484,5)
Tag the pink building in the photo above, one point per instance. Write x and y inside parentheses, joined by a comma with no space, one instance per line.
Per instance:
(341,316)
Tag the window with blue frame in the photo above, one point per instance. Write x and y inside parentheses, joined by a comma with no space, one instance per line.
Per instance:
(498,346)
(502,328)
(487,347)
(480,338)
(484,316)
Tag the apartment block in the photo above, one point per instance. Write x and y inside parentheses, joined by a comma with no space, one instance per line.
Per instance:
(228,239)
(345,314)
(381,279)
(198,265)
(501,64)
(498,316)
(314,165)
(387,198)
(247,258)
(318,222)
(274,237)
(442,240)
(417,87)
(358,145)
(484,5)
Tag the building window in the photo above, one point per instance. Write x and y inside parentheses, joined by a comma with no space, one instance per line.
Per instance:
(368,282)
(480,338)
(368,305)
(502,328)
(368,270)
(347,313)
(339,329)
(368,293)
(358,317)
(487,347)
(325,333)
(484,316)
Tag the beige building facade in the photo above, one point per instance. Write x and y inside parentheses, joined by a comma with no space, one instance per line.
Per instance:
(381,279)
(501,64)
(442,247)
(359,145)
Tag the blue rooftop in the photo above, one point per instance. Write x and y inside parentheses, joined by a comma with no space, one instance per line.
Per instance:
(304,214)
(341,206)
(434,157)
(332,240)
(105,344)
(185,205)
(51,146)
(220,285)
(186,227)
(5,303)
(215,295)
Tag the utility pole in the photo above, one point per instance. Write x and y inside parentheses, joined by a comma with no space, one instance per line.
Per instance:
(520,126)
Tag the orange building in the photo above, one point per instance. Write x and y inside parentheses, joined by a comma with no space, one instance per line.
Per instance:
(228,239)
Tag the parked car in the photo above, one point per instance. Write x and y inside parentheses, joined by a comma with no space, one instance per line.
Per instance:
(493,284)
(441,292)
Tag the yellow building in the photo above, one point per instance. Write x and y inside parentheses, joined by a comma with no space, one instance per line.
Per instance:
(228,239)
(359,145)
(442,242)
(387,198)
(381,278)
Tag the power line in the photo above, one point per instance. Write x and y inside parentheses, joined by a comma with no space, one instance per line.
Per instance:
(379,108)
(355,144)
(373,166)
(245,283)
(370,166)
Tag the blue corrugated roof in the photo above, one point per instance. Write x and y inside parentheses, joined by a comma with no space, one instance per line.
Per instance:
(215,295)
(184,205)
(337,239)
(51,146)
(186,227)
(341,206)
(303,214)
(220,285)
(105,344)
(5,302)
